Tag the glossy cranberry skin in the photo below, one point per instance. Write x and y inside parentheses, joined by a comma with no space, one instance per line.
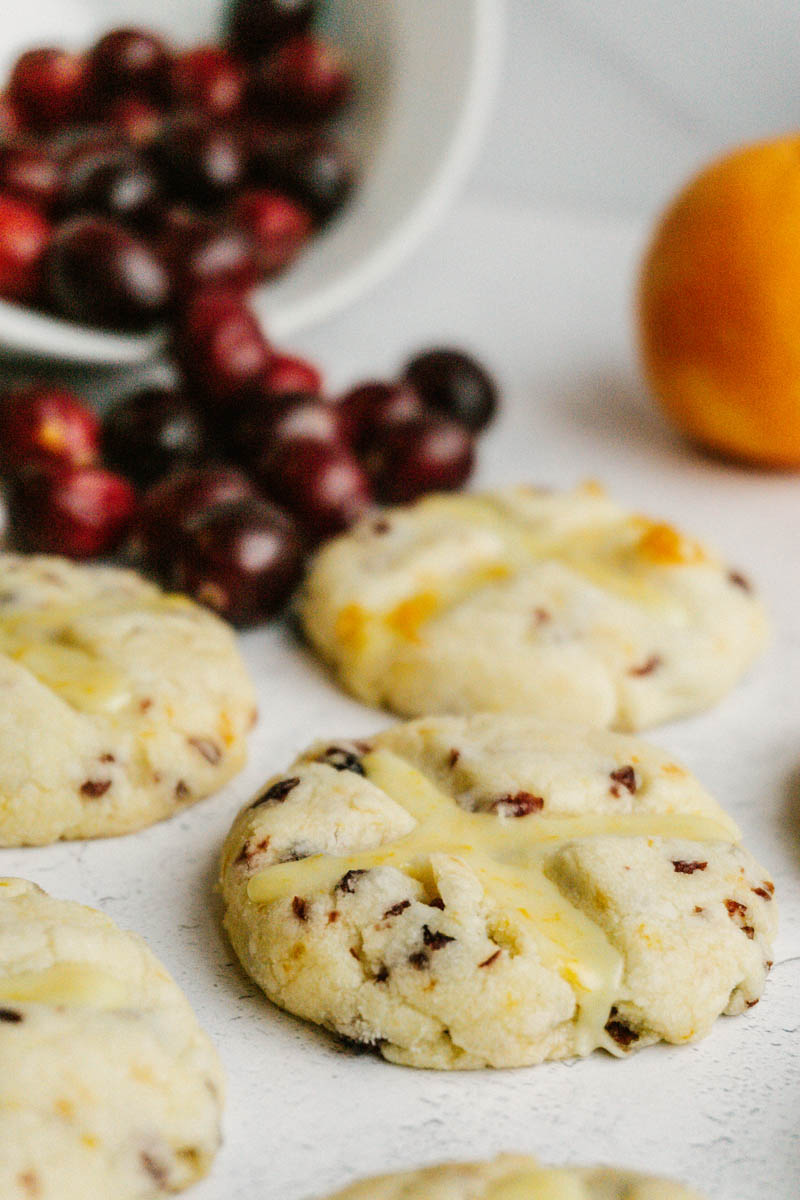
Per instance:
(24,239)
(220,347)
(78,511)
(210,79)
(317,172)
(129,62)
(200,161)
(114,183)
(278,225)
(286,374)
(150,433)
(371,409)
(30,174)
(430,454)
(138,120)
(255,26)
(48,87)
(320,481)
(242,558)
(305,79)
(99,274)
(455,384)
(202,253)
(45,426)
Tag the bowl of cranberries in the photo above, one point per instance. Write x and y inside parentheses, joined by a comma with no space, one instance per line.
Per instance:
(293,150)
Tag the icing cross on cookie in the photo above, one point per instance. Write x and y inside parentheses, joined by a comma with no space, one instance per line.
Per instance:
(504,849)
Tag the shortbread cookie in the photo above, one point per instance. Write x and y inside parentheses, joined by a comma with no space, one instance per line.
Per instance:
(109,1087)
(120,704)
(561,605)
(515,1177)
(495,891)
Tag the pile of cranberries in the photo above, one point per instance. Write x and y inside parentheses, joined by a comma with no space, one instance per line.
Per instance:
(221,483)
(134,175)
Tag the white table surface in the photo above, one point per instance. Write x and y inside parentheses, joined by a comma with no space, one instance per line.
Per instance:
(545,300)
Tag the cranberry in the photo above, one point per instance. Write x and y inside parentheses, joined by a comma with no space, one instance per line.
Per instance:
(138,120)
(10,119)
(220,346)
(257,25)
(24,237)
(279,226)
(114,183)
(242,558)
(102,275)
(30,174)
(129,62)
(200,161)
(370,409)
(318,480)
(286,374)
(269,145)
(201,253)
(317,172)
(80,511)
(303,79)
(151,432)
(455,384)
(426,455)
(72,144)
(43,425)
(47,86)
(211,79)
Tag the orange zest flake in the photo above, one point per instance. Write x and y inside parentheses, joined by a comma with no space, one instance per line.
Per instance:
(226,728)
(407,618)
(664,545)
(351,627)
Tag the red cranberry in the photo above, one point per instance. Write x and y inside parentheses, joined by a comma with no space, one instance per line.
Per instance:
(151,432)
(10,118)
(80,511)
(256,26)
(175,499)
(317,172)
(44,425)
(129,62)
(455,384)
(30,174)
(24,237)
(320,481)
(211,79)
(76,142)
(200,161)
(114,183)
(220,346)
(242,558)
(427,455)
(270,144)
(203,253)
(370,409)
(303,79)
(48,86)
(100,274)
(279,226)
(286,374)
(137,119)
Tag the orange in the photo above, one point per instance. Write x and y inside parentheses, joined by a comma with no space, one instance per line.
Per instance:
(719,306)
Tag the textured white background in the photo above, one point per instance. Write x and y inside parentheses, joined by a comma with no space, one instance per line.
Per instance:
(604,107)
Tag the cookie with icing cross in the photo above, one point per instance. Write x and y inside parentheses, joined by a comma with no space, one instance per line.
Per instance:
(564,605)
(496,890)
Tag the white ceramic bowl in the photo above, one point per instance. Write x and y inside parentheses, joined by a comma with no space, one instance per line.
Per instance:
(425,72)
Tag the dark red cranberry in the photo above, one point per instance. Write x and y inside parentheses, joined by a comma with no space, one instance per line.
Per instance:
(129,62)
(48,87)
(200,161)
(269,144)
(303,79)
(455,384)
(279,226)
(113,183)
(286,374)
(10,118)
(318,173)
(43,425)
(255,26)
(150,433)
(320,481)
(30,174)
(242,558)
(220,346)
(430,454)
(77,141)
(138,120)
(99,274)
(211,79)
(24,237)
(78,511)
(370,409)
(203,253)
